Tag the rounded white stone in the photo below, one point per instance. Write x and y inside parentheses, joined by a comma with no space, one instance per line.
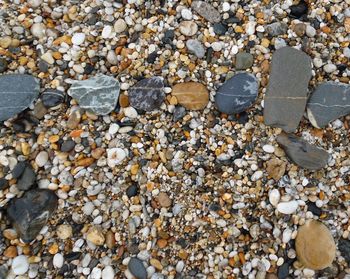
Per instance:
(287,235)
(34,3)
(120,25)
(287,207)
(96,273)
(130,112)
(180,266)
(20,265)
(268,148)
(186,14)
(106,32)
(257,175)
(250,28)
(226,7)
(112,57)
(115,156)
(217,46)
(113,128)
(108,272)
(38,30)
(58,260)
(274,197)
(310,31)
(329,68)
(78,39)
(317,62)
(42,158)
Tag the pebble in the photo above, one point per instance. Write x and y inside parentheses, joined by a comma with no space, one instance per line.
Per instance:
(268,148)
(276,168)
(195,47)
(274,197)
(244,60)
(137,268)
(130,112)
(207,11)
(78,39)
(186,14)
(95,235)
(52,98)
(250,27)
(108,272)
(191,95)
(20,265)
(188,28)
(329,68)
(287,207)
(38,30)
(64,231)
(42,158)
(164,200)
(106,31)
(115,156)
(120,25)
(310,31)
(277,28)
(58,260)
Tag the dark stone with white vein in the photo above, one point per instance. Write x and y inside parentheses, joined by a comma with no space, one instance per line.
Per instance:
(237,94)
(52,98)
(17,92)
(148,94)
(328,102)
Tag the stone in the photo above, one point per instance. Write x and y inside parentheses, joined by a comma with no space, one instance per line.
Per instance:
(120,25)
(106,31)
(286,95)
(207,11)
(95,236)
(20,265)
(310,31)
(219,29)
(98,94)
(237,93)
(244,60)
(250,27)
(4,184)
(191,95)
(64,231)
(315,246)
(26,179)
(108,272)
(31,212)
(299,29)
(67,145)
(328,102)
(58,260)
(78,38)
(276,168)
(3,65)
(277,28)
(274,197)
(132,191)
(164,200)
(38,30)
(188,28)
(52,98)
(42,158)
(19,169)
(287,207)
(17,92)
(115,156)
(299,10)
(148,94)
(329,68)
(137,268)
(196,47)
(302,153)
(47,57)
(344,248)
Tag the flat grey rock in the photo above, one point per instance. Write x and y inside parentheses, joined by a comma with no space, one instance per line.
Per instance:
(286,94)
(98,94)
(17,92)
(237,93)
(147,94)
(137,268)
(302,153)
(328,102)
(31,212)
(207,11)
(244,60)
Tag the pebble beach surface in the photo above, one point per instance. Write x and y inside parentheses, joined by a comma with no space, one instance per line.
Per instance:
(174,139)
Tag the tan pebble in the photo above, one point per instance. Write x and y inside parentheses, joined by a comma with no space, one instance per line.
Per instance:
(97,153)
(5,41)
(25,148)
(173,100)
(85,162)
(265,66)
(74,119)
(164,200)
(10,252)
(276,168)
(64,231)
(95,235)
(54,138)
(162,243)
(10,234)
(110,240)
(315,246)
(347,24)
(265,42)
(53,249)
(134,169)
(191,95)
(123,101)
(154,262)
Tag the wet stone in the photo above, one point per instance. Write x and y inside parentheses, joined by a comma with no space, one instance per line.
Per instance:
(148,94)
(52,98)
(219,29)
(17,92)
(286,94)
(237,94)
(132,191)
(137,268)
(299,10)
(178,113)
(31,212)
(328,102)
(244,60)
(19,169)
(302,153)
(98,94)
(207,11)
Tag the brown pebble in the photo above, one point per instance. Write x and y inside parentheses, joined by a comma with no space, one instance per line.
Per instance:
(10,252)
(123,101)
(191,95)
(110,240)
(276,168)
(164,200)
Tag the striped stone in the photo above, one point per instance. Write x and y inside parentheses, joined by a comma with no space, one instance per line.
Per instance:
(191,95)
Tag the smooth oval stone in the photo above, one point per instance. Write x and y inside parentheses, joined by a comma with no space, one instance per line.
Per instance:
(207,11)
(137,268)
(286,95)
(244,60)
(52,98)
(195,47)
(98,94)
(17,92)
(191,95)
(237,94)
(31,212)
(147,94)
(315,246)
(67,146)
(328,102)
(302,153)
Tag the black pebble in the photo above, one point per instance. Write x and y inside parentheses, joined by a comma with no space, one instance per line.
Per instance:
(67,145)
(88,69)
(219,29)
(4,184)
(18,169)
(3,65)
(132,191)
(168,36)
(43,66)
(344,248)
(283,271)
(152,57)
(52,98)
(27,179)
(72,256)
(178,113)
(311,206)
(299,10)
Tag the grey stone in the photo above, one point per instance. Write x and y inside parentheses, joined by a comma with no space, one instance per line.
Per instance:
(31,212)
(52,98)
(17,92)
(178,113)
(137,268)
(98,94)
(328,102)
(286,94)
(244,60)
(237,94)
(207,11)
(147,94)
(26,179)
(277,28)
(3,65)
(67,145)
(195,47)
(302,153)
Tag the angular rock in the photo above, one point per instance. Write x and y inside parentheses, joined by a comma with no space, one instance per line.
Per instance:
(237,93)
(98,94)
(276,168)
(277,28)
(31,212)
(286,94)
(328,102)
(244,60)
(191,95)
(137,268)
(147,94)
(302,153)
(178,113)
(27,179)
(52,98)
(315,246)
(17,92)
(207,11)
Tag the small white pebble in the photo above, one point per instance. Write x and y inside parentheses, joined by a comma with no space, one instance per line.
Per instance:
(20,265)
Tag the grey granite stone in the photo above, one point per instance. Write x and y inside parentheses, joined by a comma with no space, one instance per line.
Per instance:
(277,28)
(98,94)
(244,60)
(17,92)
(147,94)
(31,212)
(207,11)
(196,47)
(237,93)
(286,94)
(302,153)
(52,98)
(328,102)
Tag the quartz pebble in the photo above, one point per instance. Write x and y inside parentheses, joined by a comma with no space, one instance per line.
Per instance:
(188,28)
(42,158)
(20,265)
(78,38)
(120,25)
(287,207)
(58,260)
